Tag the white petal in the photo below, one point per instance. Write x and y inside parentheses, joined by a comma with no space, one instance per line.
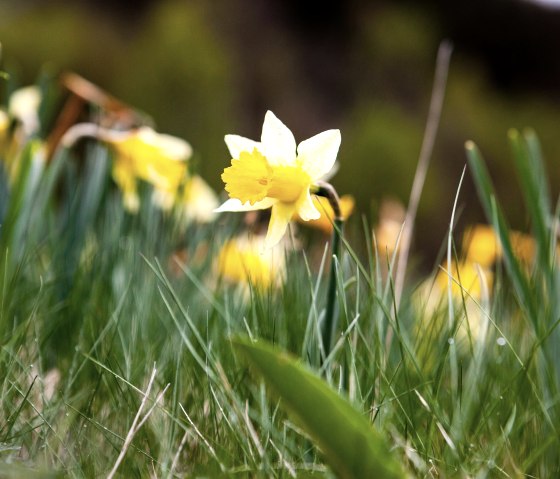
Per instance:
(236,144)
(279,219)
(171,146)
(318,153)
(278,142)
(235,205)
(306,208)
(199,200)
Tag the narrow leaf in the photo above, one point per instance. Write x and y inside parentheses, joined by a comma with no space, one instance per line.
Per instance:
(529,166)
(496,217)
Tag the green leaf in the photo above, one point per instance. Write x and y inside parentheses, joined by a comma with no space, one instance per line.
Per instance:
(351,446)
(532,177)
(496,217)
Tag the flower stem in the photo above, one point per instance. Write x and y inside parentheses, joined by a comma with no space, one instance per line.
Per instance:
(331,320)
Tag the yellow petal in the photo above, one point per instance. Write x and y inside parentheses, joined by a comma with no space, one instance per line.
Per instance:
(288,183)
(465,280)
(242,261)
(482,245)
(125,178)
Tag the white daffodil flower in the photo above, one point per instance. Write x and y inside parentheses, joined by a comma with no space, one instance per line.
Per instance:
(273,173)
(24,105)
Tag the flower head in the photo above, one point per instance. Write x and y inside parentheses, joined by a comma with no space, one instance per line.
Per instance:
(242,261)
(24,105)
(482,245)
(141,154)
(274,173)
(153,157)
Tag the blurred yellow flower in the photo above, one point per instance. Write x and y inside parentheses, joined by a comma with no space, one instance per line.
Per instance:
(523,246)
(470,288)
(141,154)
(388,230)
(465,279)
(325,221)
(274,173)
(481,245)
(158,159)
(244,261)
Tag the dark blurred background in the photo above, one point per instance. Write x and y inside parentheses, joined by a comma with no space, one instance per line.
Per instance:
(204,68)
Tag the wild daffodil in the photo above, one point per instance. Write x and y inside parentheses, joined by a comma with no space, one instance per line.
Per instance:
(242,261)
(482,245)
(467,279)
(141,154)
(24,106)
(273,173)
(158,159)
(388,230)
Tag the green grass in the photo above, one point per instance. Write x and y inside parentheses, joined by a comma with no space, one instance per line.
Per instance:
(91,305)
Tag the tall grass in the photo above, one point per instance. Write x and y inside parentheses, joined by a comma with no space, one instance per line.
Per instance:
(95,307)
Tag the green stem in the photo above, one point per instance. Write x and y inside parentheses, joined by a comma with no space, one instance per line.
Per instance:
(330,325)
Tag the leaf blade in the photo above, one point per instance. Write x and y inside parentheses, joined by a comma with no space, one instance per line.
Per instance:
(352,447)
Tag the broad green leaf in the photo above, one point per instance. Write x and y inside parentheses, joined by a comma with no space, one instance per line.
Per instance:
(351,446)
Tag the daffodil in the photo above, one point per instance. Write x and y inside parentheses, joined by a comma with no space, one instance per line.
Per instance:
(273,173)
(243,261)
(24,106)
(470,286)
(141,154)
(325,221)
(387,233)
(482,245)
(467,280)
(153,157)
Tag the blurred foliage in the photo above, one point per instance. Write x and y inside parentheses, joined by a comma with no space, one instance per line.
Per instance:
(204,69)
(170,64)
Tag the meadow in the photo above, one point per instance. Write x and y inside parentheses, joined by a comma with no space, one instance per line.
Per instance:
(143,334)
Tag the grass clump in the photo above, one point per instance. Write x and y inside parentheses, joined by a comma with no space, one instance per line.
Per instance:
(116,356)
